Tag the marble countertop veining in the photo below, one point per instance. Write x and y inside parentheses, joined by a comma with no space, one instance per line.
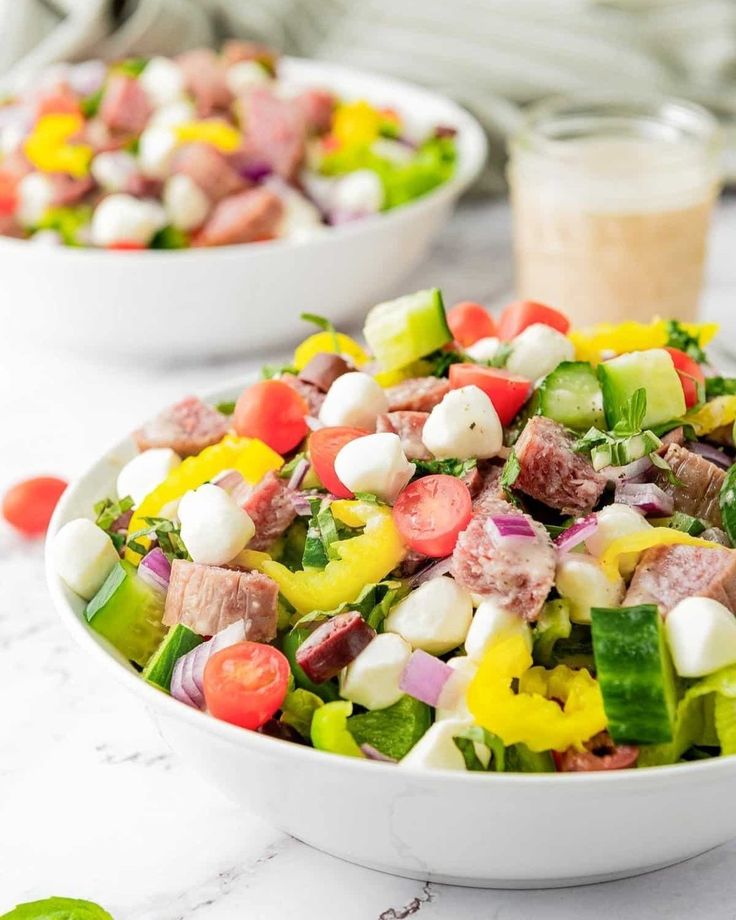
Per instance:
(93,805)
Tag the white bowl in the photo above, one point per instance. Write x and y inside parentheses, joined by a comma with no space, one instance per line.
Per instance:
(203,302)
(494,830)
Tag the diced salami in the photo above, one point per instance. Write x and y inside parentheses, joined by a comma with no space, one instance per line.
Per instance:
(324,369)
(207,598)
(666,575)
(186,427)
(205,76)
(209,169)
(68,190)
(275,132)
(412,562)
(552,472)
(271,509)
(243,218)
(408,426)
(333,645)
(236,50)
(125,106)
(488,491)
(715,535)
(419,394)
(517,575)
(701,483)
(312,395)
(474,480)
(317,106)
(676,436)
(600,754)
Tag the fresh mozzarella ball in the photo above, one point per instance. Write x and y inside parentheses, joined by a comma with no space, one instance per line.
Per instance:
(372,679)
(538,350)
(163,81)
(185,203)
(125,218)
(483,349)
(489,622)
(213,527)
(360,192)
(582,581)
(172,114)
(436,749)
(354,399)
(113,170)
(375,463)
(616,521)
(83,556)
(453,703)
(156,147)
(144,472)
(435,617)
(701,634)
(35,196)
(12,137)
(244,75)
(301,220)
(47,238)
(463,425)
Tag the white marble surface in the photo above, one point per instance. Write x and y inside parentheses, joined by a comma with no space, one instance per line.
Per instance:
(91,802)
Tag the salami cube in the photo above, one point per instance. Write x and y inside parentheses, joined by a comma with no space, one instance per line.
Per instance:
(186,427)
(333,645)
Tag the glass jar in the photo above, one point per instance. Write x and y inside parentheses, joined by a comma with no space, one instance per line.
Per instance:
(611,206)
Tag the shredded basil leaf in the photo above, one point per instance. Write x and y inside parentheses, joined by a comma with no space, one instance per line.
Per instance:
(448,467)
(720,386)
(501,356)
(373,604)
(509,474)
(679,337)
(167,534)
(368,497)
(170,237)
(633,414)
(437,364)
(466,741)
(325,325)
(227,408)
(663,465)
(269,371)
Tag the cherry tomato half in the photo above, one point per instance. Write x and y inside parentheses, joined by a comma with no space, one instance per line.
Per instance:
(431,512)
(272,411)
(506,391)
(470,322)
(126,246)
(246,683)
(517,316)
(324,445)
(691,376)
(28,505)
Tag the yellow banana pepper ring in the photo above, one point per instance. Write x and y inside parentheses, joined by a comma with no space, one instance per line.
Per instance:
(533,716)
(597,342)
(646,539)
(364,559)
(717,413)
(356,124)
(48,147)
(217,134)
(332,343)
(249,456)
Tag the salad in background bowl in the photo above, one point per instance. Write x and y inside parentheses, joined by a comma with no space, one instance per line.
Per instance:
(474,560)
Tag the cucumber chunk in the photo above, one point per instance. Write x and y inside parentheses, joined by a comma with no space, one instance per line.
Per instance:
(571,395)
(635,674)
(402,331)
(519,759)
(395,730)
(626,450)
(177,642)
(651,370)
(128,613)
(728,504)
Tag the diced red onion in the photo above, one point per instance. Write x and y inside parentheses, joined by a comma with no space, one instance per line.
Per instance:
(121,523)
(441,567)
(424,677)
(300,502)
(372,753)
(711,453)
(187,680)
(631,472)
(646,497)
(87,77)
(229,480)
(300,471)
(155,569)
(255,172)
(575,535)
(508,527)
(313,423)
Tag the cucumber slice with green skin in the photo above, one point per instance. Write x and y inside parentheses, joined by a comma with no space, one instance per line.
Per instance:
(728,504)
(402,331)
(687,524)
(395,730)
(652,371)
(177,642)
(519,759)
(291,642)
(635,673)
(128,613)
(619,453)
(571,395)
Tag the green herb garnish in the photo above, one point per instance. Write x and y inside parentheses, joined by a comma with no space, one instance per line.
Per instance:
(447,467)
(720,386)
(168,535)
(325,325)
(679,337)
(227,408)
(510,473)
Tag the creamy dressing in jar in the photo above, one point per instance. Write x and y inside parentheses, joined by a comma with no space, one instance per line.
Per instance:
(611,207)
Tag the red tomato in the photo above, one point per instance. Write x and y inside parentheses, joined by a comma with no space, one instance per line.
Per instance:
(126,246)
(8,196)
(517,316)
(691,376)
(28,505)
(246,683)
(431,512)
(272,411)
(324,445)
(506,391)
(469,322)
(61,102)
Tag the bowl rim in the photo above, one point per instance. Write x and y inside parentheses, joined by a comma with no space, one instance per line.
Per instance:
(157,700)
(472,148)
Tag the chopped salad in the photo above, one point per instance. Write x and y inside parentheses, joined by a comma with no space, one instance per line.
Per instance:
(203,149)
(470,543)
